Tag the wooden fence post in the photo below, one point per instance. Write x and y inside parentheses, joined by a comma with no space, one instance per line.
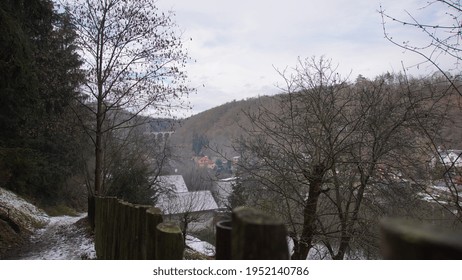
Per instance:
(120,225)
(140,232)
(153,218)
(110,221)
(91,211)
(99,212)
(257,236)
(169,242)
(124,230)
(223,240)
(103,225)
(403,239)
(115,253)
(132,226)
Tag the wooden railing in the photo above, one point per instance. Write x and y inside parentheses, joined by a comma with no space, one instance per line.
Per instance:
(127,231)
(136,232)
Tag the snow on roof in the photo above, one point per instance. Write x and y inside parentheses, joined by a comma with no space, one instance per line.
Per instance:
(230,179)
(187,202)
(450,157)
(173,182)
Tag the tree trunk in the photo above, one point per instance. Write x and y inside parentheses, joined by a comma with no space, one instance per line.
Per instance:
(184,230)
(100,109)
(344,243)
(348,224)
(98,166)
(309,215)
(99,150)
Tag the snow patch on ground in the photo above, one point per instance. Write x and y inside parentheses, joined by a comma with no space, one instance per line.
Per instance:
(20,210)
(200,246)
(61,240)
(53,238)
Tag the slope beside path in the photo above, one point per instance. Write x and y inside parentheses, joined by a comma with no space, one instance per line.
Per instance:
(46,238)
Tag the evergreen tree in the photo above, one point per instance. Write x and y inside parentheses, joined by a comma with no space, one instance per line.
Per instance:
(17,79)
(39,84)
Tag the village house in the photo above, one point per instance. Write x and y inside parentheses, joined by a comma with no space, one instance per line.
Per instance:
(205,161)
(178,202)
(449,158)
(452,157)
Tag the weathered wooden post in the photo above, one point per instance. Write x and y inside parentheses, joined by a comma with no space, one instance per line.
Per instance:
(223,240)
(404,239)
(110,220)
(169,242)
(91,211)
(153,218)
(99,213)
(140,236)
(115,253)
(132,240)
(124,230)
(120,225)
(104,222)
(257,236)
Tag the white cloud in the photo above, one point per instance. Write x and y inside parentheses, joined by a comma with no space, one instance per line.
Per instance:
(237,43)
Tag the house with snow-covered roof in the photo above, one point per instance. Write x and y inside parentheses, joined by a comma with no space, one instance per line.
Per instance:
(449,158)
(177,202)
(172,183)
(192,202)
(452,157)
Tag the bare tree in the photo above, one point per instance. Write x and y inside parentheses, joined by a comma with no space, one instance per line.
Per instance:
(291,146)
(133,163)
(443,36)
(386,147)
(317,152)
(443,43)
(133,61)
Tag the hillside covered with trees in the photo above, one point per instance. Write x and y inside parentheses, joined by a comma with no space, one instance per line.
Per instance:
(331,156)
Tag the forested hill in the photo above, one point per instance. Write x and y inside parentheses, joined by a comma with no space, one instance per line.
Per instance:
(220,126)
(224,124)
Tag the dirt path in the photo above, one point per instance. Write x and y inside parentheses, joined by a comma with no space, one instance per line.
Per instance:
(64,238)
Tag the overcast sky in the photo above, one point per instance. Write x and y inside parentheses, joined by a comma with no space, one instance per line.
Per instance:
(237,44)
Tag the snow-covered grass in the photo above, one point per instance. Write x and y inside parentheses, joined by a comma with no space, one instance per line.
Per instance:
(62,239)
(21,211)
(53,238)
